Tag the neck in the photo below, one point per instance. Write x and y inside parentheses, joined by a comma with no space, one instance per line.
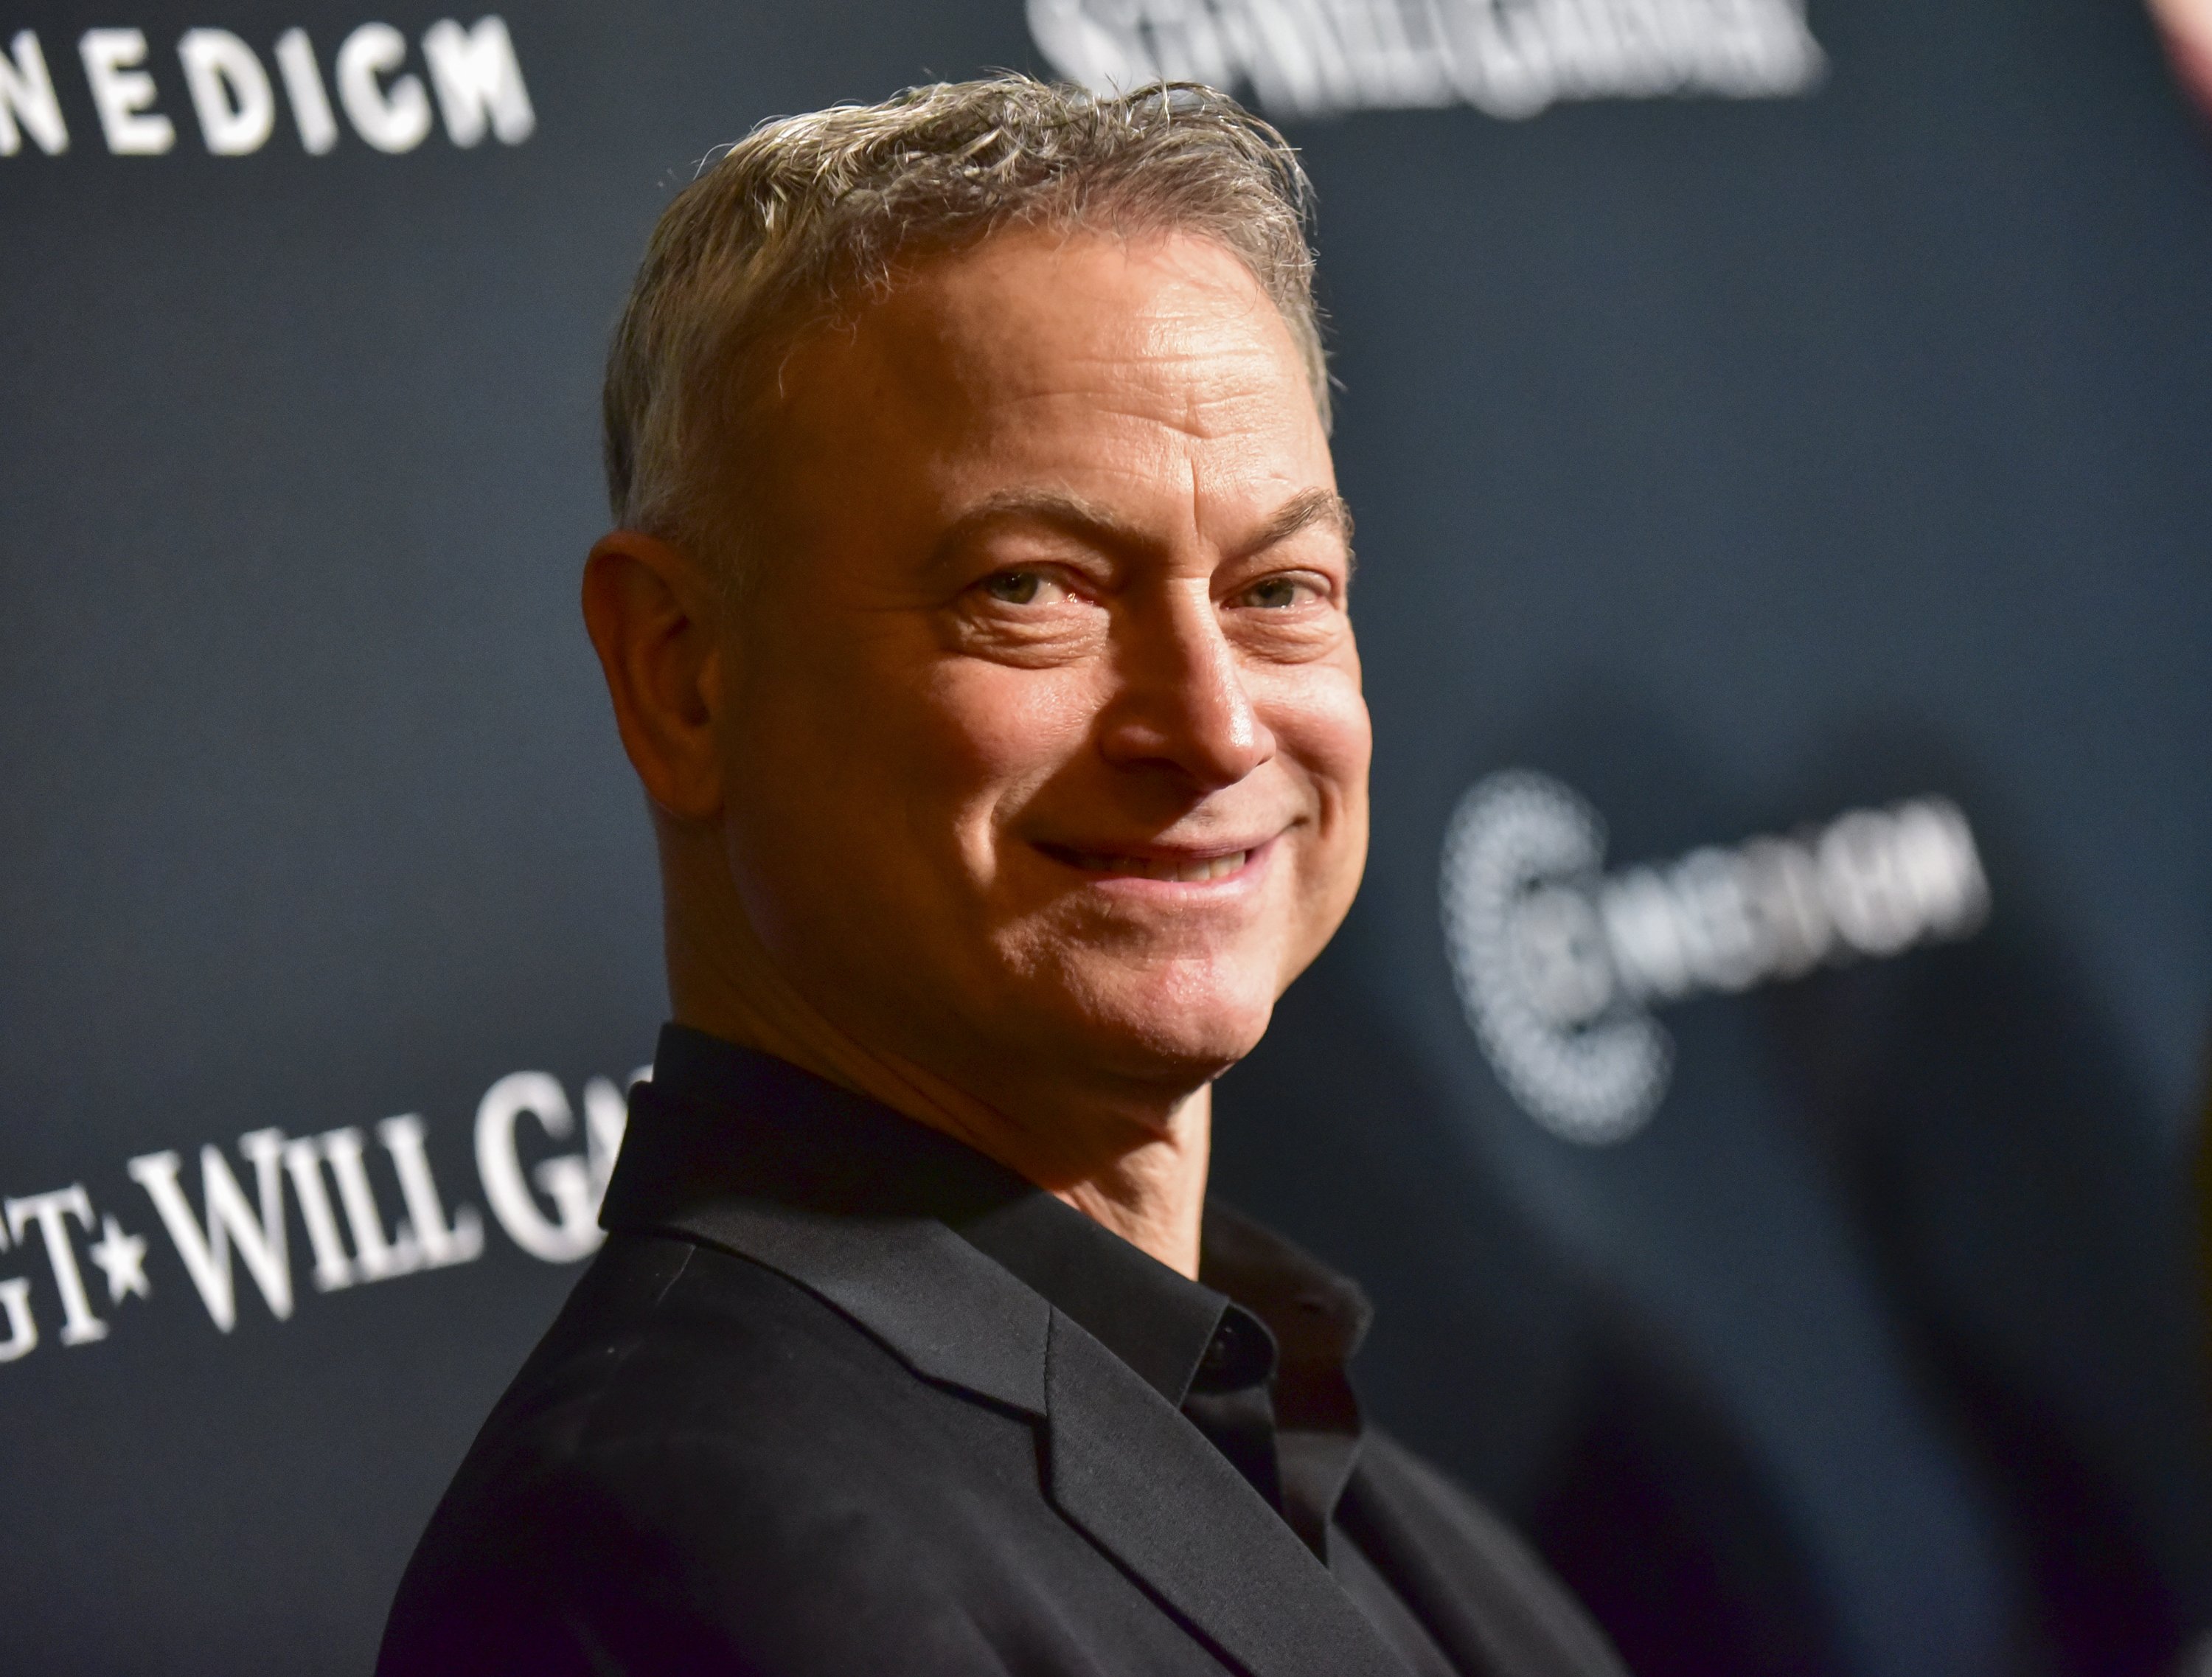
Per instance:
(1139,1168)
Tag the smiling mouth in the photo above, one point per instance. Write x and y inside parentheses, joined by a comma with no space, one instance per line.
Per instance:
(1185,870)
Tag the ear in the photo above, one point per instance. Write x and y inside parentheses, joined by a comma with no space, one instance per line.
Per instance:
(651,613)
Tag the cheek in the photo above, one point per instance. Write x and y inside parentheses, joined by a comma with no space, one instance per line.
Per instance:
(1329,738)
(1320,725)
(998,734)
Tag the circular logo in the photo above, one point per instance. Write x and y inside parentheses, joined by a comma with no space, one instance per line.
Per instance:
(1529,959)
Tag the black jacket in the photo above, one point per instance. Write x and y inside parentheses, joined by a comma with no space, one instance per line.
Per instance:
(796,1420)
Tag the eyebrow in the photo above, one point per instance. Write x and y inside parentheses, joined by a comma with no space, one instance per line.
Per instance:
(1301,511)
(1089,520)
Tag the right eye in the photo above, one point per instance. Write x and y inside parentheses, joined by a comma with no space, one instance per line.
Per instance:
(1013,587)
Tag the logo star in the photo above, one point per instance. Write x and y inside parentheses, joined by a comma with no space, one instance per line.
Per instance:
(123,1258)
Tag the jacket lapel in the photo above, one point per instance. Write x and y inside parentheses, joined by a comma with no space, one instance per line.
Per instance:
(936,1303)
(1122,1464)
(1130,1471)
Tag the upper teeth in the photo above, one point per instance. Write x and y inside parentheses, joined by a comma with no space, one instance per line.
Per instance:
(1191,872)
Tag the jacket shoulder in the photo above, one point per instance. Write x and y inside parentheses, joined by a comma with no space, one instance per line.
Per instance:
(704,1466)
(667,1336)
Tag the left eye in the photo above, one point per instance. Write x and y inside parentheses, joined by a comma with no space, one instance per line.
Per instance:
(1277,593)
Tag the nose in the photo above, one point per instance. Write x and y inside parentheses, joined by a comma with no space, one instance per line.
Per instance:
(1182,701)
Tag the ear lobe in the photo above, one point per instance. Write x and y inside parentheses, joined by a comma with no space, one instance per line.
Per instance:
(649,609)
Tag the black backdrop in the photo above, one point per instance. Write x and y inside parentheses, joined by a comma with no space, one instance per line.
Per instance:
(1734,454)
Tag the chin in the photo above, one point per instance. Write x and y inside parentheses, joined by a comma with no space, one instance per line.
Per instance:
(1178,1031)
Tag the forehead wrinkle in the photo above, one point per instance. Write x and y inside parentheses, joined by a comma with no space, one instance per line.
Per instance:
(1167,365)
(1181,386)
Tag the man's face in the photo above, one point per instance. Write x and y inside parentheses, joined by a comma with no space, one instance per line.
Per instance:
(1046,751)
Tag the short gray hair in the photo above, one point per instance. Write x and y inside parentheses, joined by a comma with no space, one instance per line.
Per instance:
(807,213)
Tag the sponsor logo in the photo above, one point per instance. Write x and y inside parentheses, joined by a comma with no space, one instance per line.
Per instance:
(473,79)
(1559,965)
(1506,58)
(339,1189)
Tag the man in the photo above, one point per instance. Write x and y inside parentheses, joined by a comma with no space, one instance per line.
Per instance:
(977,624)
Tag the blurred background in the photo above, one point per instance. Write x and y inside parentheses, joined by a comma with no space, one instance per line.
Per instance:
(1761,1080)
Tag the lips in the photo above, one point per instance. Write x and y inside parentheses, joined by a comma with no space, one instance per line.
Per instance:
(1185,870)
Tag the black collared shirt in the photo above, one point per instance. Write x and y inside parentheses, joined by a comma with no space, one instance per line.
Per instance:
(1255,1353)
(841,1394)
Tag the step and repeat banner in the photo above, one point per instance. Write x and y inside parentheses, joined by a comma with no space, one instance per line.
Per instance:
(1759,1080)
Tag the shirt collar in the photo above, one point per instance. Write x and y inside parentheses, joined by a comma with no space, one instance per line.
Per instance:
(719,1119)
